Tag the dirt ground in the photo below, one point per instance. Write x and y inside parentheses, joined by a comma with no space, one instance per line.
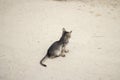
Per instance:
(29,27)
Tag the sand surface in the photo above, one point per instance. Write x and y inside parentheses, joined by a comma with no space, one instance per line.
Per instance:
(29,27)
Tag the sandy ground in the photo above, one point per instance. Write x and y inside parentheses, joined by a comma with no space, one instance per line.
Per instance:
(29,27)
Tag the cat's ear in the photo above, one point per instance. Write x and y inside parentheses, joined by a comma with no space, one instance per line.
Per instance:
(70,31)
(63,29)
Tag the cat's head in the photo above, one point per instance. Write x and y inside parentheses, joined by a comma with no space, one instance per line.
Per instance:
(67,33)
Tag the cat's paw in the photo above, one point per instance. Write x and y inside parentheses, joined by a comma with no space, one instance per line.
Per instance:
(66,51)
(63,55)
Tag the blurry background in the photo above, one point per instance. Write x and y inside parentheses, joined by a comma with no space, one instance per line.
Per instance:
(29,27)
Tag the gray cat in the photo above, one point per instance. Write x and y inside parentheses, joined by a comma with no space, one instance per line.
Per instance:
(58,48)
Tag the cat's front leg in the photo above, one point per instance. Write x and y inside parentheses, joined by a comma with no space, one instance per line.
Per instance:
(66,51)
(62,53)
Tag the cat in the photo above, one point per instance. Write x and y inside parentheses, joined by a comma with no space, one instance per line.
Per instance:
(58,48)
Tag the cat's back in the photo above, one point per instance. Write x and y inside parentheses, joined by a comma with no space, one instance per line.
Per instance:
(56,45)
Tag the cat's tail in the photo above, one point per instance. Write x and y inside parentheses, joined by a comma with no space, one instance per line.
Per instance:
(41,62)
